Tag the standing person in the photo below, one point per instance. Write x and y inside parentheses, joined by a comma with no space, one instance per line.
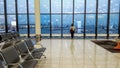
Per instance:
(72,30)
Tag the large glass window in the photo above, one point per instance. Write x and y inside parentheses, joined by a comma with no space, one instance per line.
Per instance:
(67,6)
(114,5)
(102,23)
(44,6)
(56,24)
(67,21)
(90,23)
(45,24)
(1,6)
(2,23)
(79,23)
(91,6)
(114,20)
(11,19)
(22,7)
(102,6)
(10,6)
(22,24)
(31,6)
(79,6)
(56,6)
(31,16)
(32,24)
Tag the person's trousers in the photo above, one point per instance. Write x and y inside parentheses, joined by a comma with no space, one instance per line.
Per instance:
(72,34)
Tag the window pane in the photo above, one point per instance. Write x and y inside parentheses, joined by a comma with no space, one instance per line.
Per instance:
(79,8)
(114,20)
(79,23)
(102,23)
(44,6)
(2,23)
(67,21)
(1,7)
(11,19)
(103,6)
(22,6)
(45,24)
(56,24)
(10,6)
(56,6)
(114,6)
(32,24)
(31,6)
(22,24)
(90,23)
(67,6)
(91,6)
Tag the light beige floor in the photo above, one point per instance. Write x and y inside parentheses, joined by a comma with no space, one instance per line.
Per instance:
(67,53)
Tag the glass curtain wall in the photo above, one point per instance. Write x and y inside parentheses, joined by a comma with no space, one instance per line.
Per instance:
(17,15)
(2,17)
(91,17)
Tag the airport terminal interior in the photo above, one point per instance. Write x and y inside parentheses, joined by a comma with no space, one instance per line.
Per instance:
(59,33)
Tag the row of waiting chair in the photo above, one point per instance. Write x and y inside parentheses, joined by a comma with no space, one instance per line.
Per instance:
(22,54)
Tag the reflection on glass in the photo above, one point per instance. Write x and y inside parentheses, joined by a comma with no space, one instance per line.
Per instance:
(114,5)
(11,19)
(67,6)
(31,6)
(2,23)
(102,23)
(32,24)
(91,6)
(1,6)
(44,6)
(102,6)
(113,27)
(67,21)
(72,48)
(79,8)
(22,6)
(56,6)
(56,24)
(22,24)
(45,24)
(90,23)
(10,6)
(79,23)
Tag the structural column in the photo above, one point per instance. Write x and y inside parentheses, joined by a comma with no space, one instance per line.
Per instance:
(37,19)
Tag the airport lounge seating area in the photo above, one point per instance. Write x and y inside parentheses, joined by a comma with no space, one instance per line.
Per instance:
(16,52)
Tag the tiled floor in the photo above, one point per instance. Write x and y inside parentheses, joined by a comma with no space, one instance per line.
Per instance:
(67,53)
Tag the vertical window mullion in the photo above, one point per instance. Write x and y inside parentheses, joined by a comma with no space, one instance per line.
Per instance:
(50,20)
(16,10)
(5,14)
(28,25)
(61,18)
(108,19)
(119,22)
(96,19)
(73,13)
(84,19)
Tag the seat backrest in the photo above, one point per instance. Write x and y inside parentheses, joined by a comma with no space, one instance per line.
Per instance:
(1,65)
(30,45)
(21,46)
(9,36)
(3,36)
(7,44)
(0,38)
(10,55)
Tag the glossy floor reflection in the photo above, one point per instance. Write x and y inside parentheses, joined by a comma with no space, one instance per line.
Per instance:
(67,53)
